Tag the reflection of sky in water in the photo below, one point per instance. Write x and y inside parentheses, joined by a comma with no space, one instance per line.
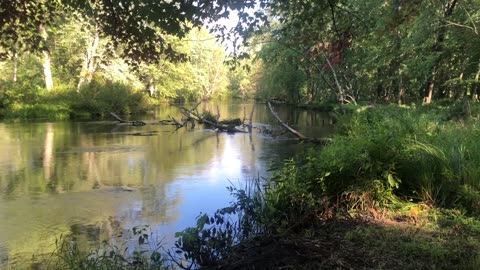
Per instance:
(202,189)
(95,178)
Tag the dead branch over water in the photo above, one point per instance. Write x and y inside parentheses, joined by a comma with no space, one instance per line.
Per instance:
(294,132)
(192,117)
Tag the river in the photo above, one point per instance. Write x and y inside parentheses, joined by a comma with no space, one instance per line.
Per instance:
(94,179)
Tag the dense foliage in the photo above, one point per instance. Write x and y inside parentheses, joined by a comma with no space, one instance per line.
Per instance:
(424,154)
(391,51)
(158,48)
(87,72)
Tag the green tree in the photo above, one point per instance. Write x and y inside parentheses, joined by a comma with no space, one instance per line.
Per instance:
(392,51)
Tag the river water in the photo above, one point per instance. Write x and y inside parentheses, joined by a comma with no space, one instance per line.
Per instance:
(94,179)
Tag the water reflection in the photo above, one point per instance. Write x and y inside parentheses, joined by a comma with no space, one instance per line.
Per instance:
(95,179)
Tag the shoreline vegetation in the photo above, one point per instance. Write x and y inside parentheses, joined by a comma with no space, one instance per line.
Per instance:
(396,188)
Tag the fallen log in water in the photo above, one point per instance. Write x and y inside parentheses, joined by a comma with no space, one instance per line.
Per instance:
(294,132)
(287,127)
(133,123)
(192,115)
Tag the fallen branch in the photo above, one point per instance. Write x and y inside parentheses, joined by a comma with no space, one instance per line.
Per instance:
(227,126)
(166,122)
(297,134)
(177,124)
(133,123)
(188,114)
(287,127)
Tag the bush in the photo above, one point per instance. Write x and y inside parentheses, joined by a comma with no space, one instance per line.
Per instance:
(146,256)
(391,152)
(100,97)
(24,92)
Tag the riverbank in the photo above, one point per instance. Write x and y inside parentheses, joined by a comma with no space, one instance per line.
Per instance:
(397,188)
(430,239)
(97,99)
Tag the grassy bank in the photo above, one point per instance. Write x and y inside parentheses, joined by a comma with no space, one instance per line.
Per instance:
(95,99)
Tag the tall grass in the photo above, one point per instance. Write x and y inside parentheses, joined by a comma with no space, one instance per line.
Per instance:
(148,255)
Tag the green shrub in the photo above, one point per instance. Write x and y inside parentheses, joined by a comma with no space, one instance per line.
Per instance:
(100,97)
(391,152)
(26,101)
(23,92)
(290,202)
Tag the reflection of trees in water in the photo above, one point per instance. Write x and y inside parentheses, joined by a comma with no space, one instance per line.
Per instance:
(87,161)
(88,235)
(62,157)
(157,207)
(158,202)
(3,255)
(47,157)
(76,157)
(11,182)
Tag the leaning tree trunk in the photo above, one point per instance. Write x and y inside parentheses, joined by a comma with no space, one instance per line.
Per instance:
(47,71)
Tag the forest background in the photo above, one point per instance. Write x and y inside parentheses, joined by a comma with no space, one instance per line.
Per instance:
(67,57)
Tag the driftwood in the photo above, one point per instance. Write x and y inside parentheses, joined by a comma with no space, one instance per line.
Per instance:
(192,115)
(188,118)
(294,132)
(287,127)
(133,123)
(235,121)
(231,128)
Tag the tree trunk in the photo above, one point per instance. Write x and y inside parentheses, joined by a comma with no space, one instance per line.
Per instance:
(396,61)
(15,64)
(476,85)
(310,85)
(47,71)
(151,88)
(90,61)
(438,47)
(429,93)
(401,95)
(457,94)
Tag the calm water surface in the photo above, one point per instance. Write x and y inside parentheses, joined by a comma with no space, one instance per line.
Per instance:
(96,179)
